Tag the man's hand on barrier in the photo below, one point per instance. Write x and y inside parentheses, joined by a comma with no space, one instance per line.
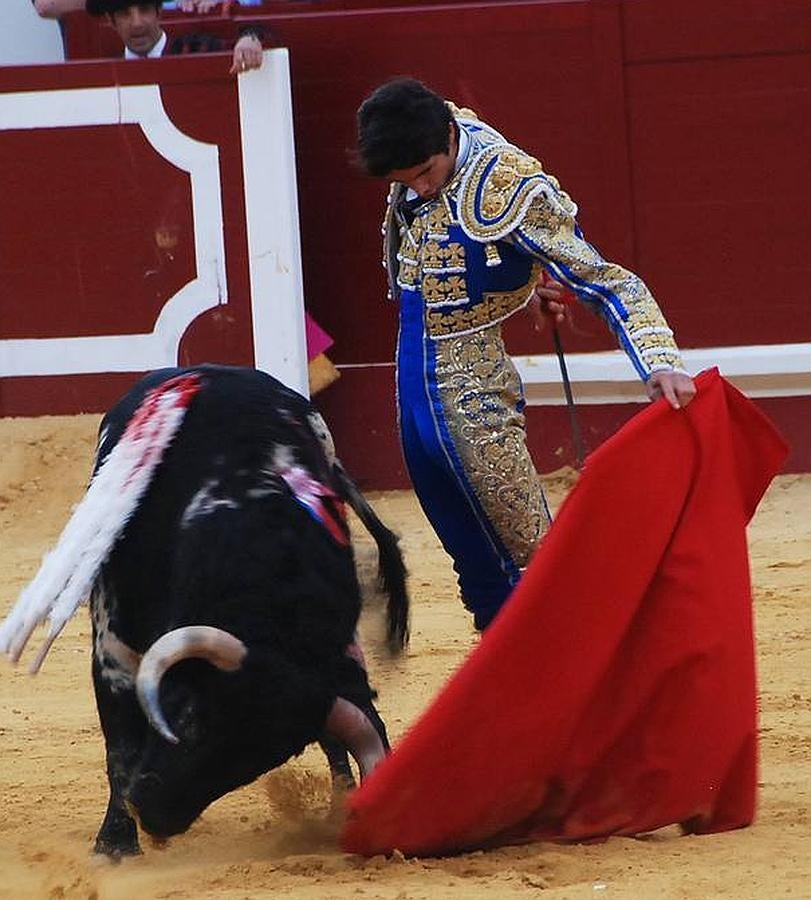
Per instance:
(247,54)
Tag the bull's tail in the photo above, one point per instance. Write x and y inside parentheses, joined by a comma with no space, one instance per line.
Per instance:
(391,568)
(68,572)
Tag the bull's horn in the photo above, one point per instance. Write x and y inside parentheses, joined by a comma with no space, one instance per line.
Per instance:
(351,726)
(219,647)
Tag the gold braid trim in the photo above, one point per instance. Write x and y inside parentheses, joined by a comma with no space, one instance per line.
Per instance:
(496,191)
(480,391)
(494,307)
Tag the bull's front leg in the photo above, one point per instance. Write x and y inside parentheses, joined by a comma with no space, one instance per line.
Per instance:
(343,779)
(371,713)
(341,773)
(360,676)
(124,728)
(354,684)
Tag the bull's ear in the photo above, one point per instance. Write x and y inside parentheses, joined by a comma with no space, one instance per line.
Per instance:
(219,647)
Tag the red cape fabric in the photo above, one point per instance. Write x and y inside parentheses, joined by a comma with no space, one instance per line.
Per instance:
(615,692)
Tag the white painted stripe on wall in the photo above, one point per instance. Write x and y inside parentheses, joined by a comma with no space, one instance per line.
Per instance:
(69,108)
(271,212)
(767,370)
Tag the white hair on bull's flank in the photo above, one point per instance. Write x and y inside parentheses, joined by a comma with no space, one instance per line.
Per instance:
(205,502)
(282,457)
(68,572)
(279,458)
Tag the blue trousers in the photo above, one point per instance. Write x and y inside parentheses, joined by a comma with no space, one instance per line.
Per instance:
(486,569)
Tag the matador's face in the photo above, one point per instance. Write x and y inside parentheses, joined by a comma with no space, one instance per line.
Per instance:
(429,177)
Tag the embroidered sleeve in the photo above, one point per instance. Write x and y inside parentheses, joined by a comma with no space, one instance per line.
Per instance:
(549,233)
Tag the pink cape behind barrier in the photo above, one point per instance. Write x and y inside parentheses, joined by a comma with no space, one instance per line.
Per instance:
(318,341)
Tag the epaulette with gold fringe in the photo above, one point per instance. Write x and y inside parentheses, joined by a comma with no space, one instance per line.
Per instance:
(496,191)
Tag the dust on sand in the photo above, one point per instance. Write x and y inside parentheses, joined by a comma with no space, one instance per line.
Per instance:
(276,838)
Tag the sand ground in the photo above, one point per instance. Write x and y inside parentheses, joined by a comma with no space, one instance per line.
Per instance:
(276,838)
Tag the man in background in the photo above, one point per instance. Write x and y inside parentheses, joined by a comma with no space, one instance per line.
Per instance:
(138,25)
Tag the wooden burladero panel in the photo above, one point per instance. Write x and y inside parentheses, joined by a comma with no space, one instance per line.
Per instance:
(130,240)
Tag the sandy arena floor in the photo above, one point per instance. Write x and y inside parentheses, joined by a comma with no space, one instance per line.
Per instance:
(275,837)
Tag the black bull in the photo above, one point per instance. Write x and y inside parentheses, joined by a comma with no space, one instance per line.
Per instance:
(224,617)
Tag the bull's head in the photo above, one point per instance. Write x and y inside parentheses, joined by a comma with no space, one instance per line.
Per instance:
(218,728)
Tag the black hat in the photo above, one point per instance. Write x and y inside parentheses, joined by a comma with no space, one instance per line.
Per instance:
(104,7)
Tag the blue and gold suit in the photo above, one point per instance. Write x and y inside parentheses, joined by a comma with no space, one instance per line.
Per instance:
(460,264)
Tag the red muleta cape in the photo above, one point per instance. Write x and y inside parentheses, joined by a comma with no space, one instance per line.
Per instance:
(615,692)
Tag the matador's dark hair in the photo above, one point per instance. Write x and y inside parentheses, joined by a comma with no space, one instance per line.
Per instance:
(108,7)
(401,124)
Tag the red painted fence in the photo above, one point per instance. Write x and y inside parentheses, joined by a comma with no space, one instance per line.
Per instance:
(680,127)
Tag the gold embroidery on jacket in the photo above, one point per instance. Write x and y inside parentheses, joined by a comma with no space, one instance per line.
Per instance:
(437,259)
(491,309)
(480,389)
(495,190)
(450,290)
(437,221)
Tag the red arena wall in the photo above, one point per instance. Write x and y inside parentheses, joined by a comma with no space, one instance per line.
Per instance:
(680,127)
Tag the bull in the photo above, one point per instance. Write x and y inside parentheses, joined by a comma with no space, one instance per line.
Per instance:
(224,597)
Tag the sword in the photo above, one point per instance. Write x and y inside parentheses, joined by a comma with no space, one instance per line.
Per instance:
(574,421)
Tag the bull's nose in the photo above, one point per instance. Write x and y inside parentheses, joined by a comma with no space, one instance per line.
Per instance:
(160,813)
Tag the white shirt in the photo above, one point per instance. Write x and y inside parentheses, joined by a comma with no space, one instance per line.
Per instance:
(155,52)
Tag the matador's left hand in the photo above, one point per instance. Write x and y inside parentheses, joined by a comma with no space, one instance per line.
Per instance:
(547,301)
(676,387)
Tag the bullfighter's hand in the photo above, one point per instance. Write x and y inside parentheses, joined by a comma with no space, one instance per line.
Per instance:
(676,387)
(546,302)
(247,54)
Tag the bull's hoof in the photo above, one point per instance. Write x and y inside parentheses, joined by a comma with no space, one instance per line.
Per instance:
(104,851)
(115,844)
(341,786)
